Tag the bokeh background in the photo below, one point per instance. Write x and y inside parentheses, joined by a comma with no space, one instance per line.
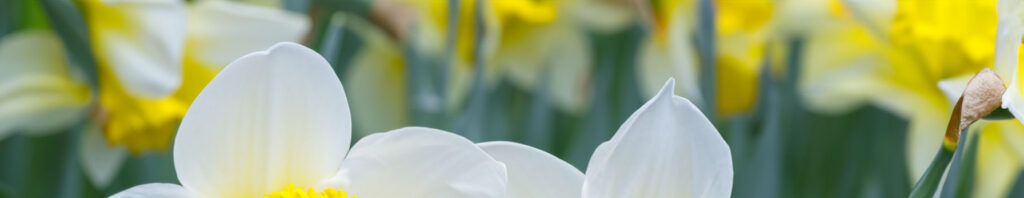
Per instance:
(816,98)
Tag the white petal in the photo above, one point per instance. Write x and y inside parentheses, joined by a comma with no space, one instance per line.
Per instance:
(419,162)
(141,42)
(535,173)
(269,119)
(100,161)
(155,190)
(221,31)
(667,148)
(37,84)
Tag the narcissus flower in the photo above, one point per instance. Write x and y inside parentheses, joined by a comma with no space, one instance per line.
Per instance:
(667,148)
(276,123)
(153,59)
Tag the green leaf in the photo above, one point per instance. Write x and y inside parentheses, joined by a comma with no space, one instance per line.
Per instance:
(538,124)
(705,40)
(471,122)
(999,114)
(339,44)
(929,182)
(960,179)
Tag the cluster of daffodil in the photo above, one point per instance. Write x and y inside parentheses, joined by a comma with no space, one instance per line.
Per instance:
(247,111)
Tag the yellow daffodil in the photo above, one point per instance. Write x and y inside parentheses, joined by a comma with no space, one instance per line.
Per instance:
(907,69)
(667,148)
(38,83)
(275,123)
(546,42)
(157,45)
(742,29)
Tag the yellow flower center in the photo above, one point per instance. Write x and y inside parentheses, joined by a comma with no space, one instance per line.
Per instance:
(292,192)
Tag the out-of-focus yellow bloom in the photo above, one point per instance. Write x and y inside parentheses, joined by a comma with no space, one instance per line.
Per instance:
(742,30)
(936,40)
(38,83)
(900,64)
(742,35)
(153,59)
(138,47)
(523,40)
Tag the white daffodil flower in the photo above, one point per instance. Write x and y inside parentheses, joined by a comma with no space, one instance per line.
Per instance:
(667,148)
(37,83)
(279,119)
(217,32)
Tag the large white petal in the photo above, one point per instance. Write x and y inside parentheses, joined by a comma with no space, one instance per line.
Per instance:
(141,42)
(419,162)
(221,31)
(100,161)
(36,83)
(535,173)
(667,148)
(269,119)
(155,190)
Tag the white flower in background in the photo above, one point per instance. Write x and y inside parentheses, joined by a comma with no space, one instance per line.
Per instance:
(279,119)
(667,148)
(197,40)
(37,83)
